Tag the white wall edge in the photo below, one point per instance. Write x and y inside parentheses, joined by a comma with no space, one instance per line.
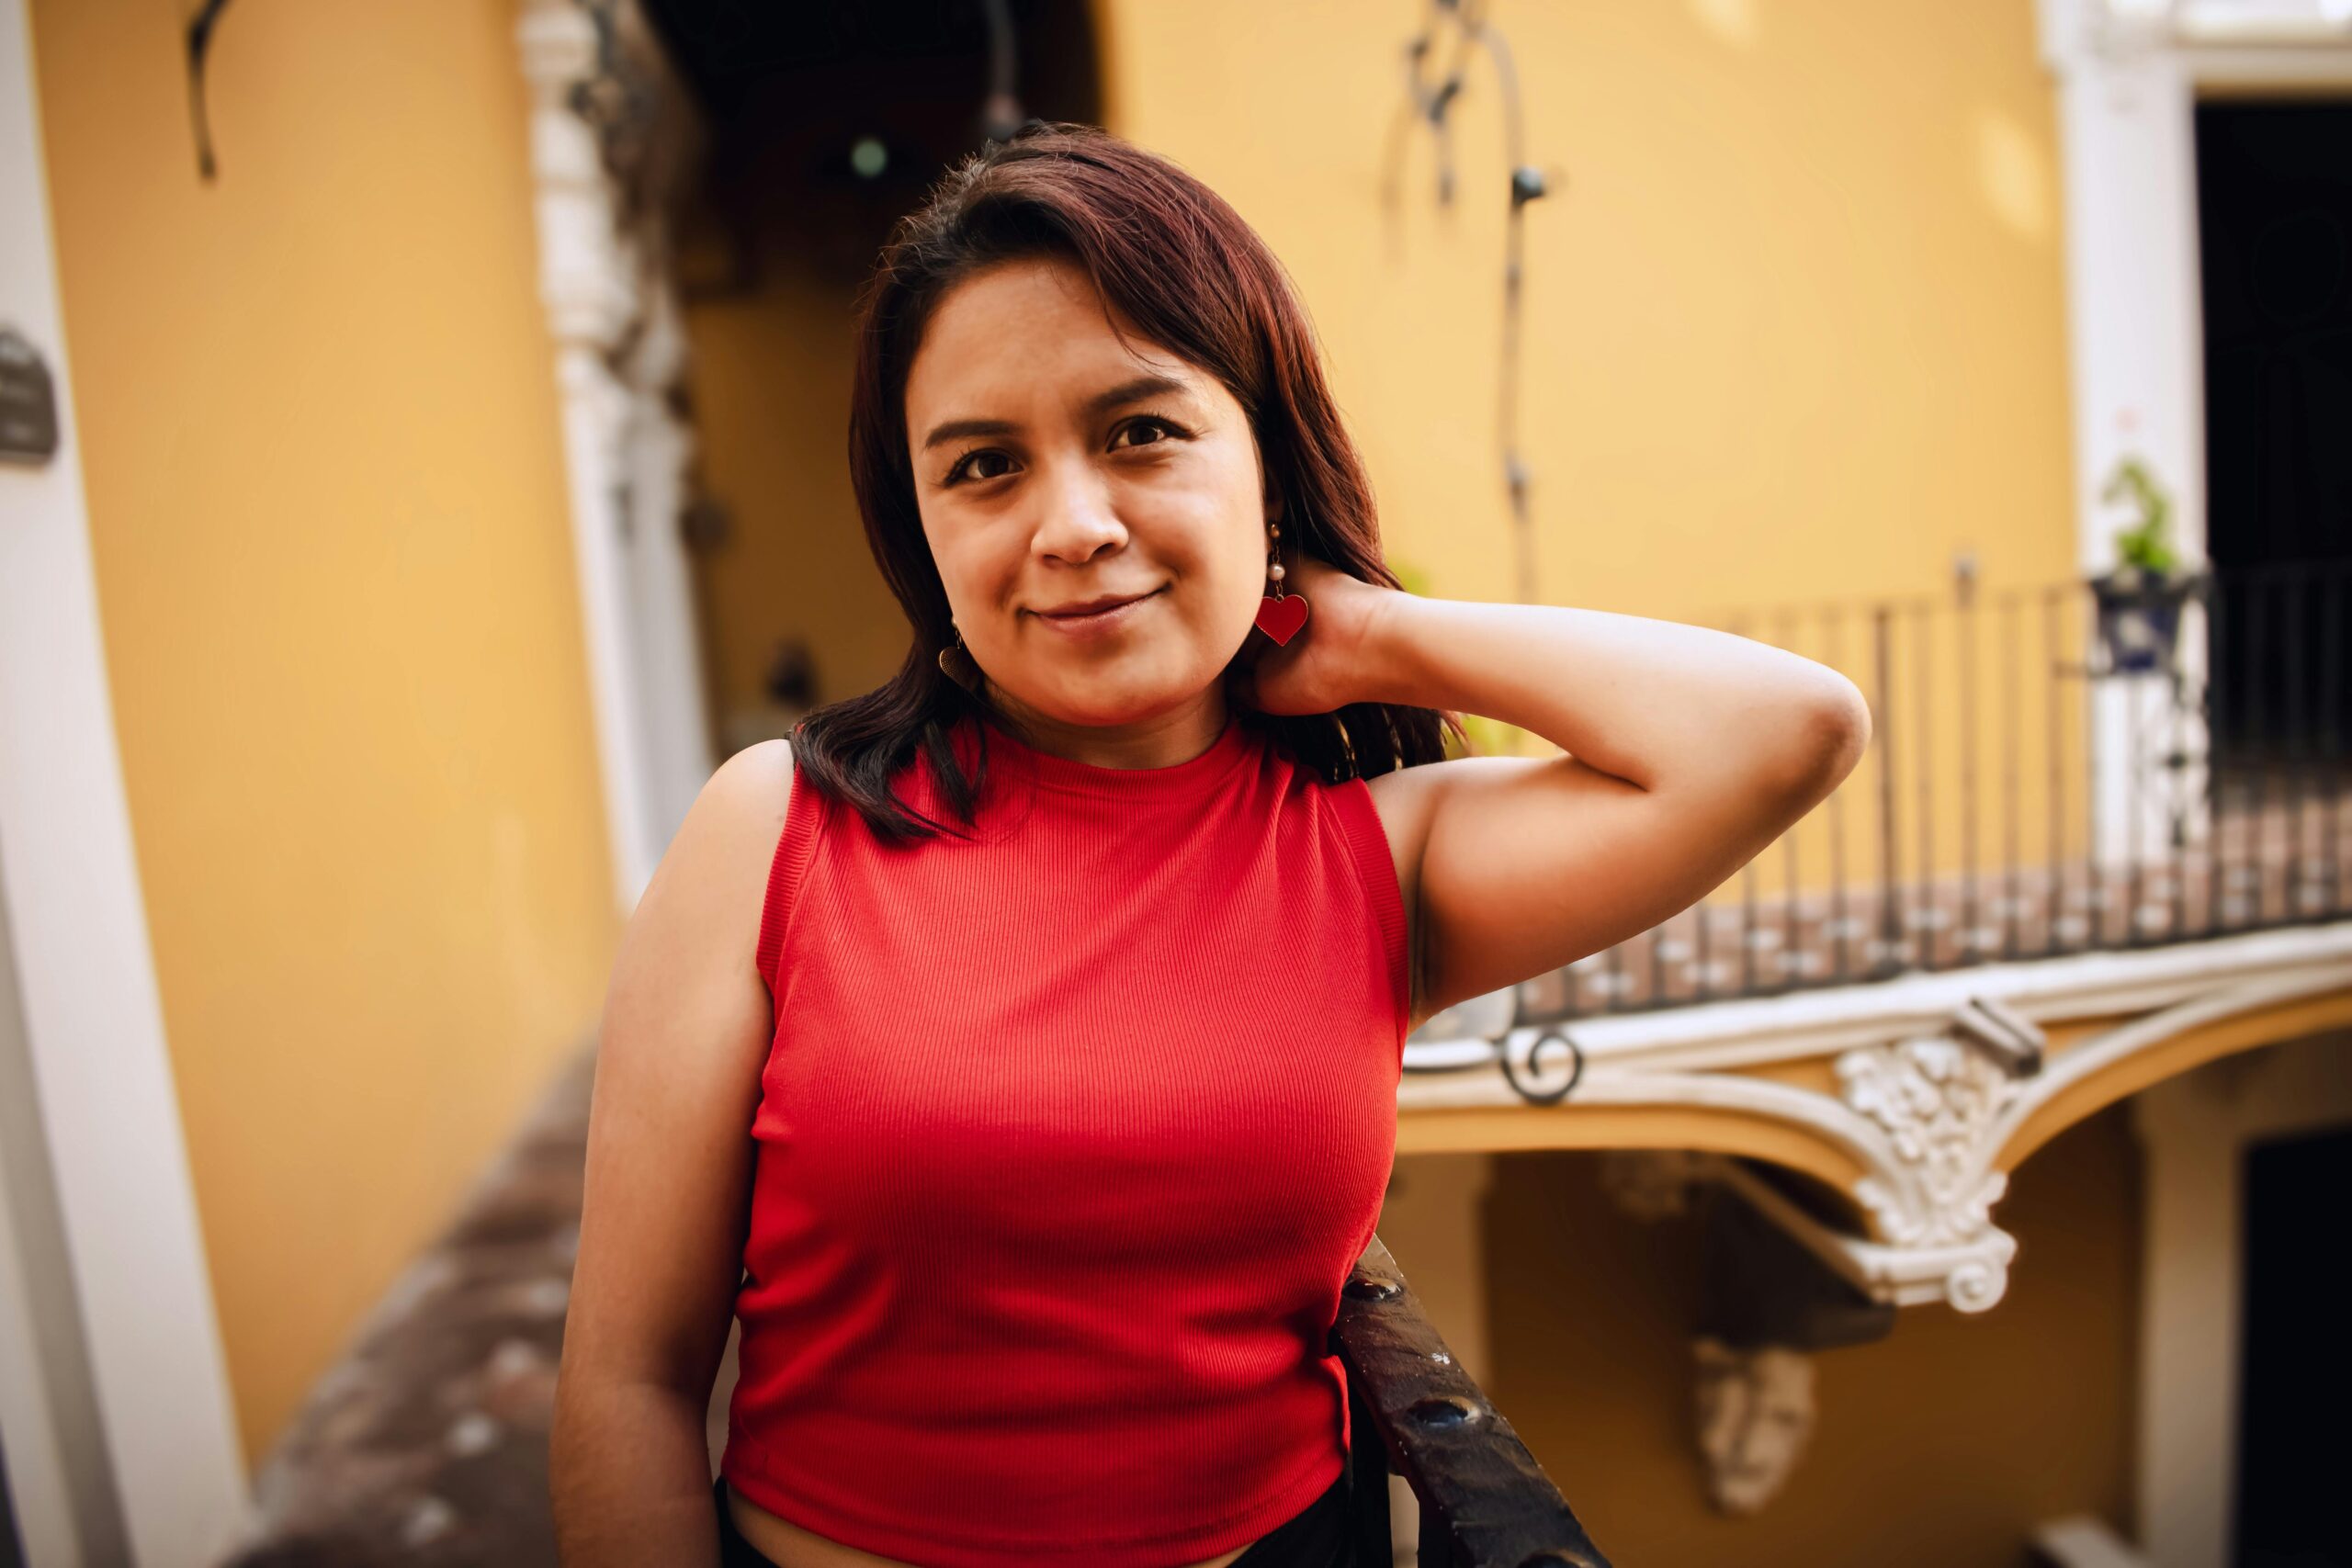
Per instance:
(92,1016)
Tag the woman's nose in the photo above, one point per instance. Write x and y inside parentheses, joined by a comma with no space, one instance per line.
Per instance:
(1076,521)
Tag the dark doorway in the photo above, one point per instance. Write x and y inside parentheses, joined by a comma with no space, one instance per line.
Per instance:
(2294,1448)
(2274,188)
(821,125)
(836,115)
(12,1547)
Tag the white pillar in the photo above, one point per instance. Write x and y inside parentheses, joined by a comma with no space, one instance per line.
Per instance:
(624,450)
(2134,316)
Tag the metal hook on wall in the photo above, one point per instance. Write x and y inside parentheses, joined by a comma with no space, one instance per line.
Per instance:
(1429,101)
(200,43)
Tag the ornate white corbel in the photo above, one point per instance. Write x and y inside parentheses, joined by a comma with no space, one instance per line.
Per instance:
(1939,1101)
(1969,1273)
(1926,1114)
(588,280)
(1938,1098)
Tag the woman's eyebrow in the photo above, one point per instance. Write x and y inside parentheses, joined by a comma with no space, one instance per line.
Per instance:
(1101,404)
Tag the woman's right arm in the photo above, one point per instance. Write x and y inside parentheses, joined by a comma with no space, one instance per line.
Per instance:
(684,1037)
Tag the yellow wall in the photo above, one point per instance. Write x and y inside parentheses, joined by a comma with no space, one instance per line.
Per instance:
(319,441)
(1942,1446)
(1793,319)
(1794,331)
(770,374)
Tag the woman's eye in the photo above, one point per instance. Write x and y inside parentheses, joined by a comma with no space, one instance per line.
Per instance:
(990,464)
(1162,430)
(968,466)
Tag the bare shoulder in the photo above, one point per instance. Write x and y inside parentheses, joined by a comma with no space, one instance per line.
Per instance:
(715,867)
(754,784)
(745,798)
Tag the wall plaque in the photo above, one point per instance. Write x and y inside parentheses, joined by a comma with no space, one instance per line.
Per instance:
(28,401)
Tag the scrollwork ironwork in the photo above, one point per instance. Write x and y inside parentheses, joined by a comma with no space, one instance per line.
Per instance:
(1527,1089)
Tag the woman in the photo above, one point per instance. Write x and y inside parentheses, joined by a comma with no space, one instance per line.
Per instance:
(1061,983)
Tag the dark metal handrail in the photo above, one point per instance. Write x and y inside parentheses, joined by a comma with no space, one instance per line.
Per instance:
(2091,766)
(1485,1501)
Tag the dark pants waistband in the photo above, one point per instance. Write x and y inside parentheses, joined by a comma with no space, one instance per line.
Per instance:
(1315,1537)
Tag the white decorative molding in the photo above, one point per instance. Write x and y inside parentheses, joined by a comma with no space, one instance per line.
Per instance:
(2124,30)
(1931,1085)
(619,351)
(1718,1036)
(1756,1413)
(2126,24)
(1938,1101)
(1969,1273)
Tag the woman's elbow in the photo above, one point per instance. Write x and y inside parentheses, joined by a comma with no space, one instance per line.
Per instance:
(1828,730)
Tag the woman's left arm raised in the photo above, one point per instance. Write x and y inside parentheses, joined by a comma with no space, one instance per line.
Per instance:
(1688,752)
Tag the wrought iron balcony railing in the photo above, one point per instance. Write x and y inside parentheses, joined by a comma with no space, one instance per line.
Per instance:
(2089,767)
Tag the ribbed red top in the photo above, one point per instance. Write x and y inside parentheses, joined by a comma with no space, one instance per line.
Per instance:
(1068,1138)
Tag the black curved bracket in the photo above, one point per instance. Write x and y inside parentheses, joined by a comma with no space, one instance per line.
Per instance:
(1527,1091)
(200,43)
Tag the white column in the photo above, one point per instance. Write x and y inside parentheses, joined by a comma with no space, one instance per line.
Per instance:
(588,284)
(661,573)
(2135,328)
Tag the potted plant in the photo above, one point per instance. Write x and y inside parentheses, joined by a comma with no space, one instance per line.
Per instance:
(2140,600)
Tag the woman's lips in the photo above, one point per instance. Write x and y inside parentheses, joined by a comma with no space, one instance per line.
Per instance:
(1100,622)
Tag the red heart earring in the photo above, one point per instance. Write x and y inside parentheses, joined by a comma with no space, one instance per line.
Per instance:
(1280,614)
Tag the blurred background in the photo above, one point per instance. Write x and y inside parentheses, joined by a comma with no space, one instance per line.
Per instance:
(420,461)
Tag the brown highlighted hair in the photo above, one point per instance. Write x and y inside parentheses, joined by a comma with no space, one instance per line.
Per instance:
(1170,255)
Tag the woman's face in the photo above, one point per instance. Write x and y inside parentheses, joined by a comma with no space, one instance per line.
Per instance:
(1056,468)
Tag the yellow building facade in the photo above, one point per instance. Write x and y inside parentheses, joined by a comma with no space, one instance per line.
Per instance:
(1799,329)
(318,440)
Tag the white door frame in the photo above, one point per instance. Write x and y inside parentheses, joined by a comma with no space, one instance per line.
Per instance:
(2194,1131)
(2128,75)
(103,1287)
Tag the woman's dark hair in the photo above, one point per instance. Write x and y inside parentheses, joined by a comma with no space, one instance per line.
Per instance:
(1167,253)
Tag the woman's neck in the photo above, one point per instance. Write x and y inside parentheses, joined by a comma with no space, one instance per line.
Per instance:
(1163,740)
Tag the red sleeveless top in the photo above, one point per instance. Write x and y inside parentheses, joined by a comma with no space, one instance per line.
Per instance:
(1069,1135)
